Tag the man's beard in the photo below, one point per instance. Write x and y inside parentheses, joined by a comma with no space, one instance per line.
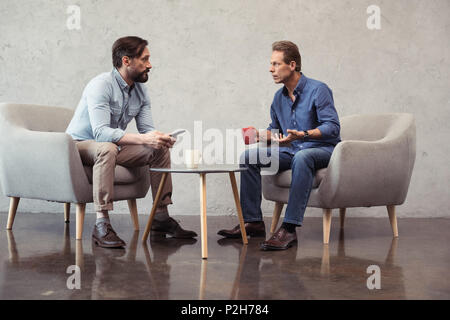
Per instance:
(140,77)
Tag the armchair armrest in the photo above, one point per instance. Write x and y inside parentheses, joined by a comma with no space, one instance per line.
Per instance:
(369,173)
(42,165)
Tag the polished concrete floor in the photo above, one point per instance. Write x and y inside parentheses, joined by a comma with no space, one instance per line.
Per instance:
(35,256)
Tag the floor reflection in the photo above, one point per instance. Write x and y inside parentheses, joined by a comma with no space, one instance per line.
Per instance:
(105,273)
(35,277)
(158,268)
(281,275)
(241,272)
(129,278)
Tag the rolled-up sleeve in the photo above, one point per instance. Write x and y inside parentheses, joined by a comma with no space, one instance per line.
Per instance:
(144,120)
(326,113)
(98,95)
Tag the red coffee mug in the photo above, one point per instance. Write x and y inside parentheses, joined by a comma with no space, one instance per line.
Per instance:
(249,135)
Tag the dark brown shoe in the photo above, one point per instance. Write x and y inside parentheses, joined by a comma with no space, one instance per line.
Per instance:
(105,236)
(281,240)
(172,228)
(253,229)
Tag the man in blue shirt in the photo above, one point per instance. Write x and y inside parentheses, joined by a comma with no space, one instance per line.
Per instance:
(109,102)
(306,126)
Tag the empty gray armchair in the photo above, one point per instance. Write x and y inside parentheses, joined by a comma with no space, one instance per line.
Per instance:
(38,160)
(372,166)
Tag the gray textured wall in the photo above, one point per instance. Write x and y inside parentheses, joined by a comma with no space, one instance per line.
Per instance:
(211,61)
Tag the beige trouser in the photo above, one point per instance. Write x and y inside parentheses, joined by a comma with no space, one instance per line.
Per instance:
(104,156)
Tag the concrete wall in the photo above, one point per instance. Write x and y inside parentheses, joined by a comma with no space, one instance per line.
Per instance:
(211,61)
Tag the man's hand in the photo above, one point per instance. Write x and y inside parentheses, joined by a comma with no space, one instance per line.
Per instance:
(293,135)
(158,140)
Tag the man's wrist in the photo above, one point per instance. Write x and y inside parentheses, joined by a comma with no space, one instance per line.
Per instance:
(141,138)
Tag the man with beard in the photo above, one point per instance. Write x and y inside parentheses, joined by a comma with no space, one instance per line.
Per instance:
(109,102)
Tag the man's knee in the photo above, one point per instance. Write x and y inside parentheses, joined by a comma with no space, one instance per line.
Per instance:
(107,150)
(163,152)
(160,156)
(303,158)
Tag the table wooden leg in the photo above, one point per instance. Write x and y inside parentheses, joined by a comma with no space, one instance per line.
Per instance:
(238,207)
(201,293)
(203,227)
(155,205)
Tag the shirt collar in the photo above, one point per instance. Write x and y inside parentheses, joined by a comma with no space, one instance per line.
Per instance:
(299,87)
(122,83)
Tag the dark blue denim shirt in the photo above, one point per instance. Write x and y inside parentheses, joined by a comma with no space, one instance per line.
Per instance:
(313,108)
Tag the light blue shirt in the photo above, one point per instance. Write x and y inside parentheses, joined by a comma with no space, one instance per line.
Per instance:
(106,107)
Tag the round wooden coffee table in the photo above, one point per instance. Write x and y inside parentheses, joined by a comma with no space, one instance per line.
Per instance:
(202,171)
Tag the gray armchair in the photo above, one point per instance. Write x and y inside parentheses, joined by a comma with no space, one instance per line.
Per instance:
(372,166)
(38,160)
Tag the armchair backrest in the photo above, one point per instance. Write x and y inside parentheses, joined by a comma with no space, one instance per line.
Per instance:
(35,117)
(38,160)
(373,127)
(373,164)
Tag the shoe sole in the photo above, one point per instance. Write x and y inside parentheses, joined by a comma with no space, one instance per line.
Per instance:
(266,247)
(98,244)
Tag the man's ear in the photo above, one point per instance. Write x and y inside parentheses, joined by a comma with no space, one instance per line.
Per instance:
(126,60)
(292,65)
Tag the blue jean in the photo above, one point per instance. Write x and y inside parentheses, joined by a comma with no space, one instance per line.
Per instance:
(304,165)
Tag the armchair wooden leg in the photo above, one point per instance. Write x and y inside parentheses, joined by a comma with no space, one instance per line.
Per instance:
(79,254)
(134,213)
(67,212)
(81,207)
(342,216)
(12,248)
(393,220)
(276,215)
(13,203)
(326,225)
(325,265)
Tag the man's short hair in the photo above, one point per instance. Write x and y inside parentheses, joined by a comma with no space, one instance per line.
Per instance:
(290,52)
(127,46)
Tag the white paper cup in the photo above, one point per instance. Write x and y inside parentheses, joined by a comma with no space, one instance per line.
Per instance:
(192,158)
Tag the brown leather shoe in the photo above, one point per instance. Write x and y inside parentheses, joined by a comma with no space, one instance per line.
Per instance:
(253,229)
(172,228)
(105,236)
(281,240)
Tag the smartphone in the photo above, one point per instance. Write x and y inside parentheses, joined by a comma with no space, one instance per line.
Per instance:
(177,133)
